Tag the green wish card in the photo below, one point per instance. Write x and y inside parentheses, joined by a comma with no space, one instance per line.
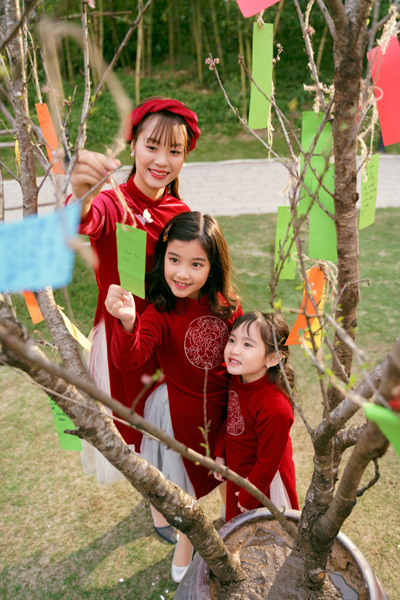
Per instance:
(322,239)
(131,250)
(62,422)
(262,75)
(283,243)
(369,191)
(387,421)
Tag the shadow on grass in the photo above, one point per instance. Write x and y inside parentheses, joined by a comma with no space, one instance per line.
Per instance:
(73,578)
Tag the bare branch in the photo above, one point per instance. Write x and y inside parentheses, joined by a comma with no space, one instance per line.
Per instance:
(372,482)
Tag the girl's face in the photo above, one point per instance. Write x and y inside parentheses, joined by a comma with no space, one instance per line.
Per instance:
(157,163)
(245,354)
(186,268)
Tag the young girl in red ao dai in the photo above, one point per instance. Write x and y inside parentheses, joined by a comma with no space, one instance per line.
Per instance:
(255,442)
(187,326)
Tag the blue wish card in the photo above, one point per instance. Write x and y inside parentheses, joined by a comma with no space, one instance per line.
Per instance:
(35,252)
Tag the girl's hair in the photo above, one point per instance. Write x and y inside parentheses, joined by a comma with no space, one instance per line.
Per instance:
(266,323)
(165,128)
(186,227)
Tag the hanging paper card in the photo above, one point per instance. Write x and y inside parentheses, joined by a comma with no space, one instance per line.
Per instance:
(312,179)
(131,249)
(33,308)
(385,70)
(62,422)
(50,137)
(311,123)
(35,252)
(283,243)
(387,421)
(74,331)
(262,75)
(322,239)
(252,7)
(369,191)
(316,280)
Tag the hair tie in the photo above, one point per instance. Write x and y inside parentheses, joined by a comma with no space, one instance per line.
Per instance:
(156,105)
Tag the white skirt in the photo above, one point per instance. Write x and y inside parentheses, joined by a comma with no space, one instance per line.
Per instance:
(278,493)
(93,462)
(169,462)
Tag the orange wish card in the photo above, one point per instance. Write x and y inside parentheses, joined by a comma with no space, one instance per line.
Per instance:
(316,281)
(33,308)
(50,137)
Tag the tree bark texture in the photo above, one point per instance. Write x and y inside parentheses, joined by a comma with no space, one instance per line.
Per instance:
(19,99)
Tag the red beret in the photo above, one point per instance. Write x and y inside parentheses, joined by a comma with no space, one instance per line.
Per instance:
(156,105)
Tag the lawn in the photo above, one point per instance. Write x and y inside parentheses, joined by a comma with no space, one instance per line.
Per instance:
(63,538)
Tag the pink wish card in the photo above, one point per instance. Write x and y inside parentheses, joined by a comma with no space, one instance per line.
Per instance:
(252,7)
(385,70)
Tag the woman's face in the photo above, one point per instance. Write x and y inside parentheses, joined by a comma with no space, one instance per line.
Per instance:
(157,162)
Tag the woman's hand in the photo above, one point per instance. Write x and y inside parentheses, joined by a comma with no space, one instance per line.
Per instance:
(220,461)
(90,168)
(121,305)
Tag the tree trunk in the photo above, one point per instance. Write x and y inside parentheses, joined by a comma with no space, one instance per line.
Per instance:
(349,47)
(149,39)
(19,99)
(217,36)
(138,54)
(171,14)
(196,21)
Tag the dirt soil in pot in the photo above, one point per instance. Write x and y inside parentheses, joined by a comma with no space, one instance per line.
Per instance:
(274,569)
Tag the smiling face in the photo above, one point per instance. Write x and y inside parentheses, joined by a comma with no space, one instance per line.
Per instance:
(158,158)
(245,354)
(186,268)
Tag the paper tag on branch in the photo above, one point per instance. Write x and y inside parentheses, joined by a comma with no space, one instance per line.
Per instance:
(74,331)
(387,421)
(50,137)
(316,281)
(62,422)
(33,308)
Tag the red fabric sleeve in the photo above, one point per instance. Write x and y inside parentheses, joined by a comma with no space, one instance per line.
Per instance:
(131,350)
(272,431)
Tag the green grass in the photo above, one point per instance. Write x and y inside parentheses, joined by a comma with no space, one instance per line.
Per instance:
(64,538)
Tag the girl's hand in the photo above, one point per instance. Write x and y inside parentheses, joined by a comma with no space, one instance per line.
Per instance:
(121,305)
(89,169)
(220,461)
(240,507)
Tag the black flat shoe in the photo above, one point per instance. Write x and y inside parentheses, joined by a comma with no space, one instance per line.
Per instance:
(168,533)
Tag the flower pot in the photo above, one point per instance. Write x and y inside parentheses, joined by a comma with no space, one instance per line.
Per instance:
(349,571)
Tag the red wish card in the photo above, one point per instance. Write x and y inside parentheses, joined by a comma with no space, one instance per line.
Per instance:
(252,7)
(385,70)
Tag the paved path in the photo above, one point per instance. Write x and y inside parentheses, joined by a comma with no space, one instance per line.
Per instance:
(229,187)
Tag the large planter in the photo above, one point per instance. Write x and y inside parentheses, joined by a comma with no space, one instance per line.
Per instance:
(348,569)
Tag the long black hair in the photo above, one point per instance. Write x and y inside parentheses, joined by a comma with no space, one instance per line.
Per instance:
(186,227)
